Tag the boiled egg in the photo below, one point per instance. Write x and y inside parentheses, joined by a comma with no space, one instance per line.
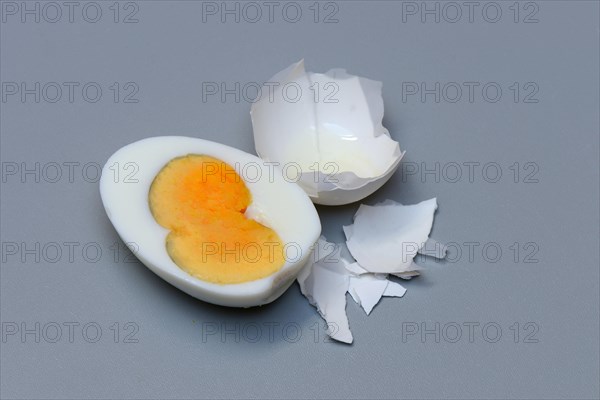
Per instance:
(218,223)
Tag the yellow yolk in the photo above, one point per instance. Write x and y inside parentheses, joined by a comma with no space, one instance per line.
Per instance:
(202,201)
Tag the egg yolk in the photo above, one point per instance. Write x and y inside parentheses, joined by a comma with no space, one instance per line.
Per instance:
(202,201)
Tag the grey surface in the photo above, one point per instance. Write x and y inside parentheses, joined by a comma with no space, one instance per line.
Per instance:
(168,54)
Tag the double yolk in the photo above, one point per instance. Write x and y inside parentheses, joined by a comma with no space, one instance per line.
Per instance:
(202,201)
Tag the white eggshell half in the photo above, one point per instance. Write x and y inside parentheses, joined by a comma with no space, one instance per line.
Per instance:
(330,125)
(276,203)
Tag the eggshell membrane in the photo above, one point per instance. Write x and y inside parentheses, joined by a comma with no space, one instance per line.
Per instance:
(276,203)
(338,119)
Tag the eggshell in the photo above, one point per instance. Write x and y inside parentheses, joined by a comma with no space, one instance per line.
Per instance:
(385,238)
(276,203)
(332,131)
(325,283)
(327,279)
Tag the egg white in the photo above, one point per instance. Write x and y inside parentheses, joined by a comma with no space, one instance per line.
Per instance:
(281,205)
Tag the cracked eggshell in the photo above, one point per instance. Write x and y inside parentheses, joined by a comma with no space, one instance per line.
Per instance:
(329,126)
(276,203)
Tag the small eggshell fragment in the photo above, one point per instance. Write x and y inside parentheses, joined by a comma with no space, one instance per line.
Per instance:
(324,284)
(385,238)
(331,275)
(367,290)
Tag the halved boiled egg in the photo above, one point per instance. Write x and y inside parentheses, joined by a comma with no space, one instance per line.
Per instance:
(218,223)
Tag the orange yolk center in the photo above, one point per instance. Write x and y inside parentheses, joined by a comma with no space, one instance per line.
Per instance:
(202,201)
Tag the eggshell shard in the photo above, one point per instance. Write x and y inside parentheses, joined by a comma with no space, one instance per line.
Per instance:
(356,269)
(368,289)
(385,238)
(126,204)
(325,283)
(331,275)
(331,130)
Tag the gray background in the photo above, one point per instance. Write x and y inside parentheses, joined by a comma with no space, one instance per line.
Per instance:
(168,53)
